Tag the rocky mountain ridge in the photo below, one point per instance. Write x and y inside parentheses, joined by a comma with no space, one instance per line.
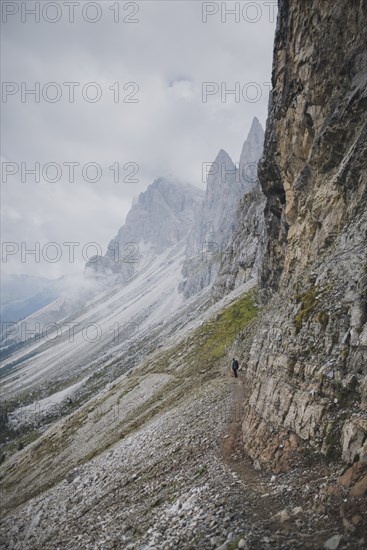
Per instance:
(159,219)
(153,448)
(210,238)
(306,365)
(168,215)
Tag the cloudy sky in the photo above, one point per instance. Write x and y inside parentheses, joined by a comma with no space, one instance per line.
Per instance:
(136,102)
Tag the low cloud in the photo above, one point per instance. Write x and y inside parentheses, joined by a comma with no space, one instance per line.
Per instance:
(169,131)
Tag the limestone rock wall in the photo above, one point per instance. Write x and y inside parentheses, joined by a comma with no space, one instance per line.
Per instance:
(305,365)
(242,257)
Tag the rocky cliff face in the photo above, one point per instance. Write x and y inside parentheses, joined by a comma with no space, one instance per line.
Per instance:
(149,419)
(305,364)
(210,239)
(160,218)
(242,257)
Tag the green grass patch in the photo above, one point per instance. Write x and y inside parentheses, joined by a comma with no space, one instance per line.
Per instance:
(309,302)
(207,346)
(234,544)
(201,471)
(323,319)
(218,334)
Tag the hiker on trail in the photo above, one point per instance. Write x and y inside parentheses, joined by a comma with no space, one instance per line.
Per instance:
(235,366)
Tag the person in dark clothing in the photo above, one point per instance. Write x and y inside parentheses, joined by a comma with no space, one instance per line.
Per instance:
(235,367)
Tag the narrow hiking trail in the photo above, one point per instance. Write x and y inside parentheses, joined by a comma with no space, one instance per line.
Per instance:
(232,447)
(275,508)
(257,502)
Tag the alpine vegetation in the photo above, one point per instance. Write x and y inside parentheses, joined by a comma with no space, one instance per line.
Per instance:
(205,385)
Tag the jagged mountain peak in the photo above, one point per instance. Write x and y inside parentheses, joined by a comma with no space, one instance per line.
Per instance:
(223,157)
(251,153)
(255,126)
(159,218)
(222,177)
(254,137)
(217,219)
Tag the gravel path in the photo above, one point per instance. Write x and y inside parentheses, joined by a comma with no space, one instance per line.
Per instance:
(178,482)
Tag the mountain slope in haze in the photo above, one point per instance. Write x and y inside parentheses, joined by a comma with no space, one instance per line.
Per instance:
(120,304)
(160,218)
(22,295)
(67,296)
(153,449)
(93,338)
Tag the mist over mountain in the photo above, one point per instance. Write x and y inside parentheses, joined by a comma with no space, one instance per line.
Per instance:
(209,389)
(217,219)
(159,218)
(171,219)
(22,295)
(171,213)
